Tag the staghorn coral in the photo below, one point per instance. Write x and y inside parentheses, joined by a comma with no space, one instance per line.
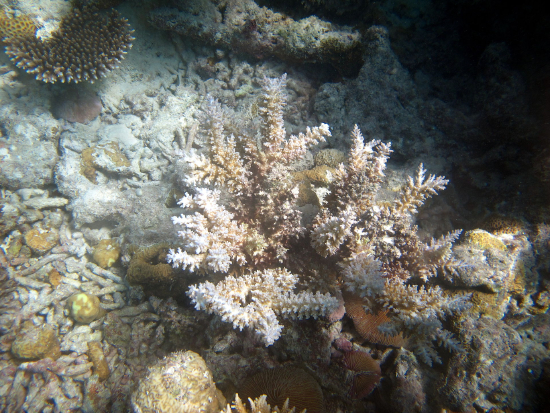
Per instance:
(254,300)
(381,250)
(256,228)
(257,231)
(256,173)
(87,45)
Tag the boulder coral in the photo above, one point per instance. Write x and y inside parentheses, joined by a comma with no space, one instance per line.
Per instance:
(180,383)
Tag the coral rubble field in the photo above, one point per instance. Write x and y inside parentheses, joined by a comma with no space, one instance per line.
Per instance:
(273,206)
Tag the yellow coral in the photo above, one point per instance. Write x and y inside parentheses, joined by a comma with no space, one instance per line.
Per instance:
(84,308)
(483,239)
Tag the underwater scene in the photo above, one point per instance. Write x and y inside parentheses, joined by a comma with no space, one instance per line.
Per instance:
(255,206)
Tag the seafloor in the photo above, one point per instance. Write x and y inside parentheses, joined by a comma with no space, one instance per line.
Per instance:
(90,176)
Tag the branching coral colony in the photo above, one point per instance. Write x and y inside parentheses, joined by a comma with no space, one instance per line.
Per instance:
(258,233)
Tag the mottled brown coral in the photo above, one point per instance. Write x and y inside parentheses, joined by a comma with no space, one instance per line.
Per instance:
(330,157)
(87,45)
(12,27)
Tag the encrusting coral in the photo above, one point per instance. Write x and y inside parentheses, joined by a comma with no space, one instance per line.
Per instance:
(87,45)
(258,233)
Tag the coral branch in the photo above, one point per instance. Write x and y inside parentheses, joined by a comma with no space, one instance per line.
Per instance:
(418,190)
(254,300)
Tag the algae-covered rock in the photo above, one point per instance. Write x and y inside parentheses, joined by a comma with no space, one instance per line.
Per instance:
(34,343)
(245,27)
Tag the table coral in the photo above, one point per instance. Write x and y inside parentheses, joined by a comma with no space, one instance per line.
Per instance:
(87,45)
